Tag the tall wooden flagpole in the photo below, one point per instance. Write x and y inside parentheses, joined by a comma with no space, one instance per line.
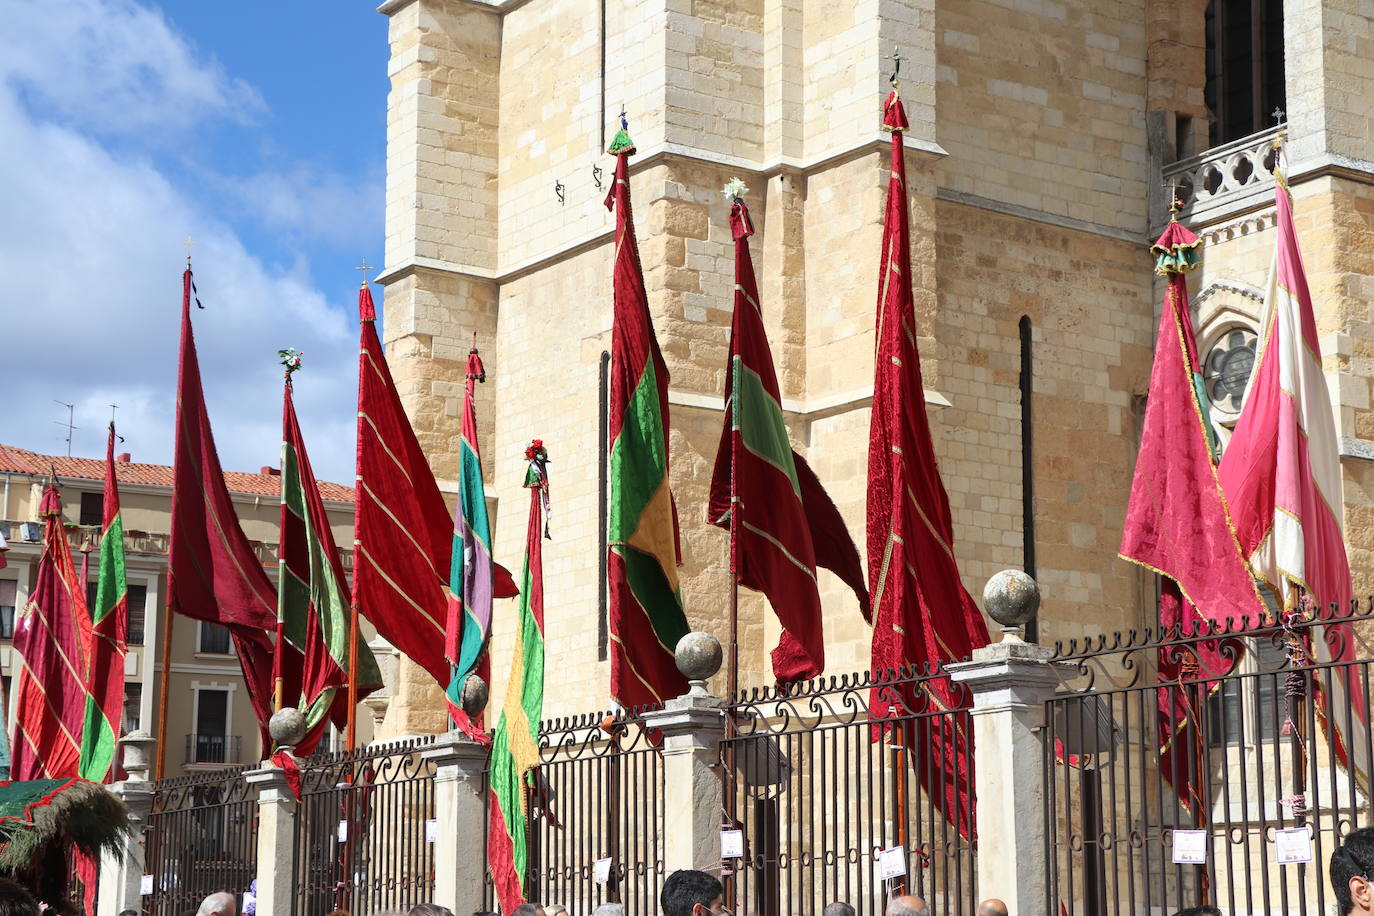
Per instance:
(164,681)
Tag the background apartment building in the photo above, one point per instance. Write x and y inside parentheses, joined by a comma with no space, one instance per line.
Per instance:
(209,720)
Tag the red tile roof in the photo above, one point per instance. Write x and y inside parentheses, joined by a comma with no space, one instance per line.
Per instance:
(22,461)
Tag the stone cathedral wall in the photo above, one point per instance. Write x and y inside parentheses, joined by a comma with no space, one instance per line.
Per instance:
(1037,128)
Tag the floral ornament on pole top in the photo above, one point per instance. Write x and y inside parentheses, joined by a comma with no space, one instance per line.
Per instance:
(734,189)
(537,476)
(290,359)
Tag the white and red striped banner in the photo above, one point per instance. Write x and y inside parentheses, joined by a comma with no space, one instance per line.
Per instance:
(1282,477)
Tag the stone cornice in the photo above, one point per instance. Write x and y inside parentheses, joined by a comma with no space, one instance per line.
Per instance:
(669,152)
(498,7)
(1039,216)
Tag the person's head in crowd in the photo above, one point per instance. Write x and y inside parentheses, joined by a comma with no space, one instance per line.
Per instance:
(526,909)
(689,892)
(838,908)
(429,909)
(992,907)
(128,913)
(907,906)
(15,900)
(221,904)
(609,909)
(1204,910)
(1352,872)
(555,909)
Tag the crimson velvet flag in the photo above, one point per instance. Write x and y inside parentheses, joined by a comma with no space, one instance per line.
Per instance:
(52,645)
(1177,525)
(923,615)
(213,573)
(764,492)
(402,530)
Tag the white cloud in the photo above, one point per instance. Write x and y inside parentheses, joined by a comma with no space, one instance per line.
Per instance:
(114,66)
(89,311)
(309,202)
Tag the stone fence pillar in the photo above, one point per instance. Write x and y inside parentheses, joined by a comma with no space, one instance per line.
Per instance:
(276,839)
(693,726)
(460,812)
(277,818)
(121,872)
(1011,682)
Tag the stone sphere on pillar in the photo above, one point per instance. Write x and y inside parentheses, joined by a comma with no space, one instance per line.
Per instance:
(698,657)
(1011,598)
(287,727)
(474,696)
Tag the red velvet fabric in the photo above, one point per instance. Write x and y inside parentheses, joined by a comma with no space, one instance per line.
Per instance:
(922,612)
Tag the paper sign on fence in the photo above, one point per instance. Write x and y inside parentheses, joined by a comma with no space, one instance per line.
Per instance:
(1190,847)
(343,831)
(1292,846)
(601,870)
(892,862)
(431,830)
(732,844)
(145,886)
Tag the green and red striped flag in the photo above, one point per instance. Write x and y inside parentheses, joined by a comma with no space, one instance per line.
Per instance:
(312,594)
(646,613)
(515,743)
(52,639)
(109,638)
(782,524)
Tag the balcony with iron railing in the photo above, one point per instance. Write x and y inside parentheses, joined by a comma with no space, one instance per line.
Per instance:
(214,749)
(143,543)
(1222,182)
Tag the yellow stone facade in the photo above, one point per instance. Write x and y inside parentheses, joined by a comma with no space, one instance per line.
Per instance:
(1039,129)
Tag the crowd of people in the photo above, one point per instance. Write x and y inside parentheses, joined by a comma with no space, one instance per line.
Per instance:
(697,893)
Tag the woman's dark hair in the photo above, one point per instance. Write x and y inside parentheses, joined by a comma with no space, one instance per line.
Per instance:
(15,900)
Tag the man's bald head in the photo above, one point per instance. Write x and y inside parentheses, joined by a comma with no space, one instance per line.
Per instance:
(992,907)
(906,906)
(218,905)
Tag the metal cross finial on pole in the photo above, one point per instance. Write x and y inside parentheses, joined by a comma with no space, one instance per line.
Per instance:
(1175,204)
(189,245)
(70,425)
(1278,115)
(364,267)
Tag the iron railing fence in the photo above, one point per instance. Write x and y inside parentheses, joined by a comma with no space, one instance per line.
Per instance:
(819,787)
(201,838)
(597,795)
(1250,737)
(364,843)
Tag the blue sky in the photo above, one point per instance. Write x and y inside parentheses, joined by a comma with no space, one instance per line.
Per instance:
(258,128)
